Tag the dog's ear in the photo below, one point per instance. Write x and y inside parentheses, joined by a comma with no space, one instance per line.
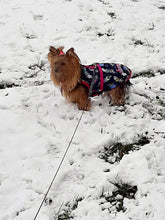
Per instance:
(53,52)
(71,53)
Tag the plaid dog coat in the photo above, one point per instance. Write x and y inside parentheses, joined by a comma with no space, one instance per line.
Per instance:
(102,77)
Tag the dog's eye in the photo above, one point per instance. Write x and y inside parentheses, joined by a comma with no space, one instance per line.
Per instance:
(63,64)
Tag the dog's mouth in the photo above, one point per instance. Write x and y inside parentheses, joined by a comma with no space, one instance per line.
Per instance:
(59,77)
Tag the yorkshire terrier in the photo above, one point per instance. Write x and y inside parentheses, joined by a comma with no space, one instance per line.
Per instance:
(79,82)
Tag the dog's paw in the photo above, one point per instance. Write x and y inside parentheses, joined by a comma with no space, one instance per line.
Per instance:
(85,106)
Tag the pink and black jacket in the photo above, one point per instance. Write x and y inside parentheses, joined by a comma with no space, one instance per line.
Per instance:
(102,77)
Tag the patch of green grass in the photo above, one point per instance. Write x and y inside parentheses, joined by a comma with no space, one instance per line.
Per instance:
(143,140)
(157,112)
(112,15)
(162,7)
(4,85)
(108,34)
(138,42)
(122,191)
(103,2)
(161,71)
(65,215)
(160,101)
(146,73)
(30,36)
(66,212)
(34,69)
(115,152)
(40,65)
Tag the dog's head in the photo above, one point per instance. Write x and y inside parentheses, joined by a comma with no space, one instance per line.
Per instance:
(65,68)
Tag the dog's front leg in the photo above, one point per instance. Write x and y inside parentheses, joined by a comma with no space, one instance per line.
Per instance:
(80,96)
(84,105)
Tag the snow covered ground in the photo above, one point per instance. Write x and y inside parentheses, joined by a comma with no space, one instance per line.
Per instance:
(36,122)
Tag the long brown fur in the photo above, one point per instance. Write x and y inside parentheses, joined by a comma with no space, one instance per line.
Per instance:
(66,73)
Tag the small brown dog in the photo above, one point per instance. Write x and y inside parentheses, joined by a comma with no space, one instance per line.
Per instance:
(79,82)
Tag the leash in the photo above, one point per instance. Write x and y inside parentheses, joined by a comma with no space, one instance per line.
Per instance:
(59,166)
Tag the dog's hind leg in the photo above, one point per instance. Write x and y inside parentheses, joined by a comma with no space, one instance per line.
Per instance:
(117,95)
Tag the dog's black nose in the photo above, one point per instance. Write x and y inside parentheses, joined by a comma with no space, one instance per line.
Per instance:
(56,69)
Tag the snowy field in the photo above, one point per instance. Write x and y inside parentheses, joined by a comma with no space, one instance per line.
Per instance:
(115,167)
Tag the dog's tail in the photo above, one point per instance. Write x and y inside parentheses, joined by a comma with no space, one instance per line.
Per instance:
(127,87)
(128,83)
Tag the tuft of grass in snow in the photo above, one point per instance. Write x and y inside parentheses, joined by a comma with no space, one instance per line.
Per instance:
(4,85)
(103,2)
(138,42)
(161,71)
(30,36)
(40,65)
(146,73)
(145,43)
(116,198)
(66,212)
(112,15)
(110,33)
(115,152)
(65,215)
(156,112)
(33,71)
(160,101)
(162,7)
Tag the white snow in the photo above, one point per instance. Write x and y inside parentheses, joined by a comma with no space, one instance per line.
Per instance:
(37,123)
